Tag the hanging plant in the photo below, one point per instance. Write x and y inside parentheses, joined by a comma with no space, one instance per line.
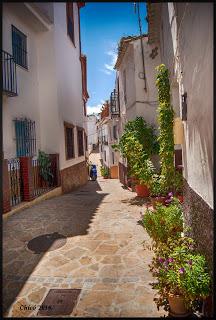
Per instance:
(165,119)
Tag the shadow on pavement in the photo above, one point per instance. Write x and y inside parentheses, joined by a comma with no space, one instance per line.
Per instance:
(137,201)
(69,215)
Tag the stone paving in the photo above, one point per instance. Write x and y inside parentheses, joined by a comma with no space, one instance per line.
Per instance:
(104,254)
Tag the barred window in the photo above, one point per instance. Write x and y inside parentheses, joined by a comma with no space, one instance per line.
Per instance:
(19,47)
(70,21)
(69,140)
(25,136)
(80,142)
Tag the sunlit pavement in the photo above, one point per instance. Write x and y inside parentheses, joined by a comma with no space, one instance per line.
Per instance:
(104,254)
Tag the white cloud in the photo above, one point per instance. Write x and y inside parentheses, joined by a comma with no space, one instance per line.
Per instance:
(106,71)
(94,109)
(109,67)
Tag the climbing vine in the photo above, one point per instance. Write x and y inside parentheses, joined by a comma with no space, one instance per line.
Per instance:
(165,119)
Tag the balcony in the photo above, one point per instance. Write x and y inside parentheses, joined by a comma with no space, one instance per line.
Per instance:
(114,104)
(9,79)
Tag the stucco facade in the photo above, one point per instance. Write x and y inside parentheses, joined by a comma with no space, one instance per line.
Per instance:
(92,131)
(134,100)
(185,34)
(50,91)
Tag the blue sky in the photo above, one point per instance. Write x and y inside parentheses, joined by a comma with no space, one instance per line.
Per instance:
(102,26)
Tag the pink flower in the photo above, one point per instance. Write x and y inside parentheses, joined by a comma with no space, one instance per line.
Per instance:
(170,260)
(161,260)
(181,270)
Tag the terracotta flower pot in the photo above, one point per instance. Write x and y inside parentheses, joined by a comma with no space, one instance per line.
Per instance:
(142,190)
(105,177)
(155,200)
(177,306)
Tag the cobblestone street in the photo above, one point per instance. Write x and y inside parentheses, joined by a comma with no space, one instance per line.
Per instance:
(104,254)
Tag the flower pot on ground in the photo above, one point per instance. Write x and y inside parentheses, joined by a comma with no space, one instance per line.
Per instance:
(142,190)
(180,272)
(177,306)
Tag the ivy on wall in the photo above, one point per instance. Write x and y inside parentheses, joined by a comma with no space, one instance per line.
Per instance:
(165,119)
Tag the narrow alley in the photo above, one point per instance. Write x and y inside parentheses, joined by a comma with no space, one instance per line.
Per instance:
(103,253)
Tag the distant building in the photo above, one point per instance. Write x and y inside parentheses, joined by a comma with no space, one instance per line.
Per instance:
(108,136)
(92,132)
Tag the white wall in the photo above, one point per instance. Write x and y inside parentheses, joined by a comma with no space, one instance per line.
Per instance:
(194,75)
(196,56)
(69,78)
(26,103)
(92,129)
(50,92)
(148,99)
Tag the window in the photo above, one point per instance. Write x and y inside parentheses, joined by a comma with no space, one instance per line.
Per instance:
(80,142)
(69,140)
(70,21)
(124,86)
(115,132)
(86,142)
(25,137)
(113,157)
(19,47)
(105,155)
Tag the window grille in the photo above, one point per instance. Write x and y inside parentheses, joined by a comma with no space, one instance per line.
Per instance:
(69,140)
(19,47)
(25,137)
(70,21)
(80,142)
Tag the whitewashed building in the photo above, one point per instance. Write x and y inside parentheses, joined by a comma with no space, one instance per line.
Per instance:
(44,85)
(135,86)
(184,33)
(108,133)
(92,132)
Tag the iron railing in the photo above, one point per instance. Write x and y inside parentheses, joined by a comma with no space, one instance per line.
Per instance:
(9,79)
(16,190)
(114,105)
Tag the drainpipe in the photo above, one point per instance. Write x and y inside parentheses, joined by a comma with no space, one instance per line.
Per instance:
(143,62)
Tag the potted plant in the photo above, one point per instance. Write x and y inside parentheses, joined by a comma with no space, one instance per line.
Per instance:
(164,222)
(183,280)
(137,144)
(157,191)
(45,168)
(104,172)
